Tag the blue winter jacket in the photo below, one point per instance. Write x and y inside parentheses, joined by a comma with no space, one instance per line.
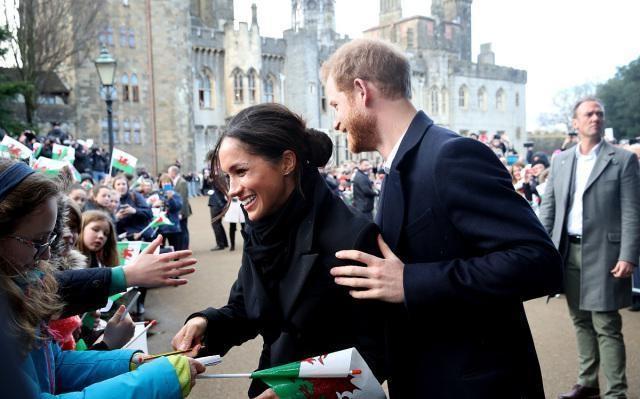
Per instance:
(172,207)
(53,373)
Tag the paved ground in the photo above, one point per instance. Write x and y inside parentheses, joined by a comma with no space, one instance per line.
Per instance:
(209,286)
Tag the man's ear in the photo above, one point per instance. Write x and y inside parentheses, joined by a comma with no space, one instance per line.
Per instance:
(362,91)
(289,162)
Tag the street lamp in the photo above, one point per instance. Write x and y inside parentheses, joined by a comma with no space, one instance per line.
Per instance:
(106,67)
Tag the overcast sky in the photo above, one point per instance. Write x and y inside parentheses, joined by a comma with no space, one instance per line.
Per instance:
(561,43)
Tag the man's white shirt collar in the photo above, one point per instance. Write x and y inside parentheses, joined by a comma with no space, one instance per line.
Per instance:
(389,161)
(592,154)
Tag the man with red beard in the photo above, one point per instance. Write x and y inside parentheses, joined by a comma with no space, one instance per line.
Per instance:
(454,270)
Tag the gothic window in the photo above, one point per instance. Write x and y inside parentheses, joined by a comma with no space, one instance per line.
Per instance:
(126,131)
(394,34)
(448,32)
(104,127)
(463,97)
(113,89)
(238,89)
(251,80)
(268,90)
(501,100)
(109,36)
(444,97)
(123,36)
(410,39)
(204,91)
(517,99)
(132,39)
(323,99)
(125,87)
(482,99)
(135,88)
(434,103)
(137,136)
(116,130)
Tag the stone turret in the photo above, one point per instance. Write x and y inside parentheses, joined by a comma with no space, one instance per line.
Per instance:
(459,11)
(317,16)
(390,11)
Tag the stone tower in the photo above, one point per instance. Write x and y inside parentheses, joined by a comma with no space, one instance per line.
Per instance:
(458,11)
(213,13)
(390,11)
(315,16)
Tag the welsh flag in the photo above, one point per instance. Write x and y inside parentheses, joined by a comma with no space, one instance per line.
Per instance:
(122,161)
(37,149)
(49,166)
(342,374)
(63,153)
(74,172)
(161,220)
(16,149)
(4,151)
(129,250)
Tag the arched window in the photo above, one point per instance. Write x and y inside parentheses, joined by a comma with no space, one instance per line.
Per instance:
(135,88)
(125,87)
(463,97)
(517,99)
(444,100)
(123,36)
(126,131)
(104,128)
(251,80)
(482,99)
(110,36)
(132,39)
(501,98)
(137,134)
(268,90)
(434,96)
(116,130)
(204,91)
(238,87)
(410,39)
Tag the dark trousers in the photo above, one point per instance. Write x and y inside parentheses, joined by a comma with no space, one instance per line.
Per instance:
(218,228)
(232,234)
(185,233)
(174,239)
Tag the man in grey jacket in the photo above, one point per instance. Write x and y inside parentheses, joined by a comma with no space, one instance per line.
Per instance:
(591,208)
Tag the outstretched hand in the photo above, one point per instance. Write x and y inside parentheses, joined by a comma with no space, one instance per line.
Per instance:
(159,270)
(382,278)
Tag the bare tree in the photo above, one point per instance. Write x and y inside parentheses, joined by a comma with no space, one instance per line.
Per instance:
(563,102)
(47,35)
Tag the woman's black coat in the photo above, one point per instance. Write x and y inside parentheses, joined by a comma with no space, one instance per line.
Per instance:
(314,315)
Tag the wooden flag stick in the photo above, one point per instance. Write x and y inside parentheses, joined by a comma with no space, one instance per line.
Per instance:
(153,323)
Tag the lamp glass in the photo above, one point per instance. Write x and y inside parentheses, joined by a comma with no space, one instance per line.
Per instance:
(106,67)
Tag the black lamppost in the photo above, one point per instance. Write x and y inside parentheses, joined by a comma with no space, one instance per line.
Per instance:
(106,66)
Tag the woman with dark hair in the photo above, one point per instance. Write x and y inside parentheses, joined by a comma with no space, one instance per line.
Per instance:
(295,225)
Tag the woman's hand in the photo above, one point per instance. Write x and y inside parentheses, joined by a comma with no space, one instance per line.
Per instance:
(162,270)
(196,368)
(117,333)
(190,336)
(268,394)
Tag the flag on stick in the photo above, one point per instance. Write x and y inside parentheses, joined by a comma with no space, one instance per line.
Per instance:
(122,161)
(63,153)
(342,374)
(37,149)
(49,166)
(129,250)
(161,220)
(16,149)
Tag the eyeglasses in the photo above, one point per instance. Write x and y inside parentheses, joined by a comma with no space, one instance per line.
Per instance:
(40,248)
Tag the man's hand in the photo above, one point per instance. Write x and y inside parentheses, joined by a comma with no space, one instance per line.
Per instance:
(151,270)
(382,278)
(268,394)
(623,269)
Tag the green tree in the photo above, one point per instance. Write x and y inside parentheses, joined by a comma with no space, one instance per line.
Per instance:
(8,90)
(621,97)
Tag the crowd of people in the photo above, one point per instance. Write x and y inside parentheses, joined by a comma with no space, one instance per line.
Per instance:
(431,293)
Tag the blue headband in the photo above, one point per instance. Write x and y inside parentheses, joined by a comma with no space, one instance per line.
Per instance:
(12,176)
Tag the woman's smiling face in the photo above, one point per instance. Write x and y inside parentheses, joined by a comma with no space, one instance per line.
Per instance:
(261,185)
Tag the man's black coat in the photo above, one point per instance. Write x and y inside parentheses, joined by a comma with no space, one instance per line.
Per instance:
(314,315)
(473,251)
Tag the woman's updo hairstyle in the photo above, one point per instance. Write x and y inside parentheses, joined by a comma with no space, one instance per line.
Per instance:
(268,130)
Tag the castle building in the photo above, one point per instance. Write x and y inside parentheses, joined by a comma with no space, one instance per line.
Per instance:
(185,68)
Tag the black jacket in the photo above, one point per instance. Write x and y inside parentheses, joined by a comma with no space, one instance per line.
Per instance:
(317,316)
(363,192)
(83,290)
(473,251)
